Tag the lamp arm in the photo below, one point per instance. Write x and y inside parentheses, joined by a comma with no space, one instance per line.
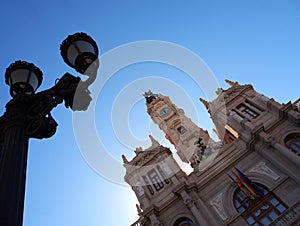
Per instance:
(34,111)
(68,88)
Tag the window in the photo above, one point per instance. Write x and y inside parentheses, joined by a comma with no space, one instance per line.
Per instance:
(247,111)
(163,174)
(230,134)
(181,130)
(292,142)
(148,185)
(233,133)
(184,221)
(155,179)
(259,211)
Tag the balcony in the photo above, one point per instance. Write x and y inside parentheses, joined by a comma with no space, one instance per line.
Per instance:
(289,217)
(137,223)
(296,105)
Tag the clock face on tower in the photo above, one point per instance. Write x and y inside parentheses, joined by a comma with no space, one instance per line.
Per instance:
(165,111)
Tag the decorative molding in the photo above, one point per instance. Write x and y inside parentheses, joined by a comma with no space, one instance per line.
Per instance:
(262,168)
(235,116)
(166,168)
(140,190)
(217,204)
(262,97)
(190,203)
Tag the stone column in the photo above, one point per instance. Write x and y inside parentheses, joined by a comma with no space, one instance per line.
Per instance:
(267,153)
(191,204)
(154,220)
(287,153)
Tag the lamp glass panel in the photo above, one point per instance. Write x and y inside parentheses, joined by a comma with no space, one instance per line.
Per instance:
(72,54)
(34,82)
(85,46)
(19,75)
(81,47)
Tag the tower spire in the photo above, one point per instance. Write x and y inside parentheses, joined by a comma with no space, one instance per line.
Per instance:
(205,103)
(231,83)
(139,210)
(125,161)
(153,141)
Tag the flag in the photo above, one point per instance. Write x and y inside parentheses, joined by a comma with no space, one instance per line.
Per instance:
(245,189)
(256,189)
(240,185)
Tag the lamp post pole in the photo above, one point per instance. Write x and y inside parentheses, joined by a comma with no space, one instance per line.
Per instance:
(13,163)
(28,115)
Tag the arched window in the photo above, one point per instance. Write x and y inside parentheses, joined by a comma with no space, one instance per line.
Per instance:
(257,212)
(292,142)
(183,221)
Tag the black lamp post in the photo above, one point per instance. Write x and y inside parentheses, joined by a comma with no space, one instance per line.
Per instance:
(28,115)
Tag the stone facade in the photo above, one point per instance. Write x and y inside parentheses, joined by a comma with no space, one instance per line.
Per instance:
(258,136)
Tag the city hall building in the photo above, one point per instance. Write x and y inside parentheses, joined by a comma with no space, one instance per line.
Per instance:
(251,176)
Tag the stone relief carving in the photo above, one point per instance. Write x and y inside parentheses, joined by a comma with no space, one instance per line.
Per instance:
(217,204)
(262,168)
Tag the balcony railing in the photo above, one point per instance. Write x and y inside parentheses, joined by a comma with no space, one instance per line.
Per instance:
(288,217)
(297,104)
(137,223)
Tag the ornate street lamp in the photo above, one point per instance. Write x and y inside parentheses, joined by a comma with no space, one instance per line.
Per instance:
(79,51)
(28,115)
(23,77)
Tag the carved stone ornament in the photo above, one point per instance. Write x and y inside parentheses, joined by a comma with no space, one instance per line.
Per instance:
(234,90)
(190,203)
(142,157)
(262,168)
(217,204)
(268,140)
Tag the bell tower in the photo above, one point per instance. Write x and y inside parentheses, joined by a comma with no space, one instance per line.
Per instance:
(185,135)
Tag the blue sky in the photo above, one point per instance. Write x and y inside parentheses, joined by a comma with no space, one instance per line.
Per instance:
(253,42)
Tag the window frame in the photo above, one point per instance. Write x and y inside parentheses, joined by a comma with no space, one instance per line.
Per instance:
(249,208)
(155,179)
(182,221)
(247,111)
(150,189)
(181,129)
(292,142)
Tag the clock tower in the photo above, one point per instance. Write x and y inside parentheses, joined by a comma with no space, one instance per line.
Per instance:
(178,128)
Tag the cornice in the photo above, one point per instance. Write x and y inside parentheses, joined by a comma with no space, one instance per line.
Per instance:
(227,97)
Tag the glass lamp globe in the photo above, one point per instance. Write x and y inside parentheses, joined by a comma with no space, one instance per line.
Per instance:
(23,77)
(79,51)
